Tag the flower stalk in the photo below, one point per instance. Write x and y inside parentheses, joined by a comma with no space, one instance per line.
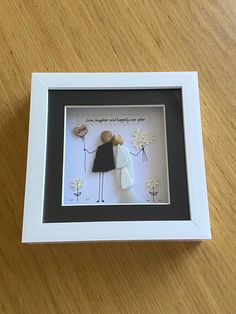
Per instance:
(76,185)
(152,185)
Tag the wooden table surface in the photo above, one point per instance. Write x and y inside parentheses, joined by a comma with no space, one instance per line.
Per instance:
(122,35)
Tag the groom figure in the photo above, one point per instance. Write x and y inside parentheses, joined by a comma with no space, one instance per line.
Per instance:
(104,160)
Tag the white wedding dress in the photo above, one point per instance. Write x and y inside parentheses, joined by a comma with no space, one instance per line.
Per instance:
(125,174)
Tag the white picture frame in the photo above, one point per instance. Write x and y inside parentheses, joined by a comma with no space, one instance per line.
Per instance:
(37,231)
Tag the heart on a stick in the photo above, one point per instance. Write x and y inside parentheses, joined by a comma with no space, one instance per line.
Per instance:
(80,131)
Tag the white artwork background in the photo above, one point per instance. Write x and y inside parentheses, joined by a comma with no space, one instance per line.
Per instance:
(149,119)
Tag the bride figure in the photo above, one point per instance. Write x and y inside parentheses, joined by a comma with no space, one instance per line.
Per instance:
(124,170)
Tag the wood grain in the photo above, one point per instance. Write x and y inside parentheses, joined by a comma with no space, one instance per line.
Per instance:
(122,35)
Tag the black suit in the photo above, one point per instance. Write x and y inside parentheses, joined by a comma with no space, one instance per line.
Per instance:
(104,159)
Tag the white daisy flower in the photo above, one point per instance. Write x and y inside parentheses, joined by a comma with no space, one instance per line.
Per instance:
(138,134)
(152,183)
(148,138)
(137,143)
(141,139)
(77,184)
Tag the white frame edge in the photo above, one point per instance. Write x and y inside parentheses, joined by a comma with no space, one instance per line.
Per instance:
(198,228)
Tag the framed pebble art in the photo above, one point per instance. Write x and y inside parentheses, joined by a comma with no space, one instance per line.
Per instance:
(110,155)
(115,156)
